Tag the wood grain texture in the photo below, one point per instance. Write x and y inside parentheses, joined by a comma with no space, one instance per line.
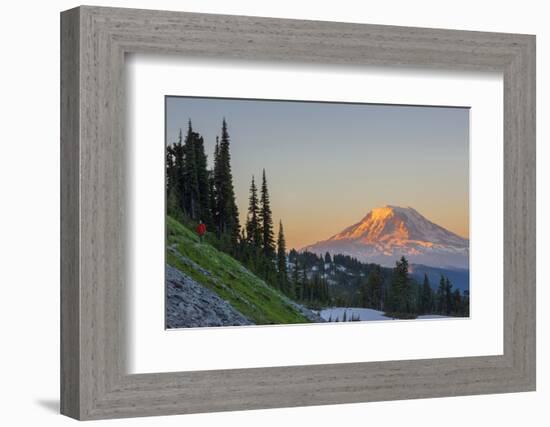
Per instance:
(70,221)
(94,272)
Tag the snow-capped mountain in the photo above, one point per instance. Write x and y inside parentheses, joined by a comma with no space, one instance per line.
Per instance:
(387,233)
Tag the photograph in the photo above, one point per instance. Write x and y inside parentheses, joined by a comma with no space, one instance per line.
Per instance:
(283,212)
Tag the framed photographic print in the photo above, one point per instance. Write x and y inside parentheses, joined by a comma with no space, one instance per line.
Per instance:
(262,213)
(224,235)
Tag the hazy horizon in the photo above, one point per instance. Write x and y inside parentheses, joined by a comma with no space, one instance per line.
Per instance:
(329,164)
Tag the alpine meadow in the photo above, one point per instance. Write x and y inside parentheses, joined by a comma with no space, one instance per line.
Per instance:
(292,212)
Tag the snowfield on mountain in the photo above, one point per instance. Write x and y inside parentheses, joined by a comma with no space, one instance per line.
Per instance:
(387,233)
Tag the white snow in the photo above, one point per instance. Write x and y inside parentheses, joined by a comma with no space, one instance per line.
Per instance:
(364,314)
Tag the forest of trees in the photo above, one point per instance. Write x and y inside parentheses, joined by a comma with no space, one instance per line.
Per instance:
(196,193)
(407,298)
(352,283)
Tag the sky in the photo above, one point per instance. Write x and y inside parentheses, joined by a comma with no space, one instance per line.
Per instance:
(329,164)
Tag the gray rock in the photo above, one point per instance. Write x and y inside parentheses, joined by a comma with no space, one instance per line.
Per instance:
(191,305)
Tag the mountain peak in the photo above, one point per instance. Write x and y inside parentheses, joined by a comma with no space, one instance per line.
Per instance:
(389,232)
(388,210)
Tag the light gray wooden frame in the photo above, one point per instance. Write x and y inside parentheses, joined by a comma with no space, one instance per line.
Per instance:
(94,41)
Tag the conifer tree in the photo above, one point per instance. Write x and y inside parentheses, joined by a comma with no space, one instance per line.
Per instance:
(426,296)
(441,296)
(292,255)
(215,177)
(304,285)
(266,220)
(253,229)
(372,289)
(399,293)
(170,170)
(327,291)
(203,182)
(212,198)
(281,260)
(296,279)
(448,296)
(314,288)
(227,214)
(219,190)
(172,202)
(191,195)
(466,303)
(176,152)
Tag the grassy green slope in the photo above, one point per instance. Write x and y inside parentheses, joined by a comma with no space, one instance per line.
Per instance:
(228,278)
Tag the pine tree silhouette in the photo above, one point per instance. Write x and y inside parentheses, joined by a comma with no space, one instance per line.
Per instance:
(281,260)
(226,212)
(253,229)
(266,219)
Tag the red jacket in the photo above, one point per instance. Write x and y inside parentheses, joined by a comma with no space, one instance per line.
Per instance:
(201,229)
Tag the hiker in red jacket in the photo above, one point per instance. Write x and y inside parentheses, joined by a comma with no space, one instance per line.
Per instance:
(201,230)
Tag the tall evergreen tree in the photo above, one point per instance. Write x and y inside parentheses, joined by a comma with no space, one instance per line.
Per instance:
(371,290)
(176,186)
(399,293)
(170,170)
(227,214)
(203,184)
(219,205)
(215,186)
(466,303)
(448,296)
(426,296)
(281,260)
(212,198)
(304,284)
(296,285)
(172,202)
(442,296)
(253,228)
(191,203)
(326,298)
(266,219)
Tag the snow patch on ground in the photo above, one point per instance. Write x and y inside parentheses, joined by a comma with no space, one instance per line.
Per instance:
(432,316)
(363,314)
(337,313)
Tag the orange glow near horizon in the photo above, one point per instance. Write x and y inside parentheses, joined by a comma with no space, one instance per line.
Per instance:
(329,164)
(306,230)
